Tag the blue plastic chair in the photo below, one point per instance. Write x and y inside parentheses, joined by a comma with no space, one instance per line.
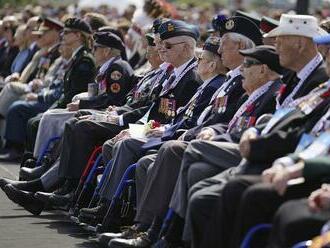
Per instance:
(252,232)
(46,149)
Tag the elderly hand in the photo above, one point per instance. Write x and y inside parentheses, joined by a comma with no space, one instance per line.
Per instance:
(244,144)
(111,108)
(36,85)
(206,134)
(155,132)
(113,119)
(73,106)
(11,78)
(124,134)
(31,97)
(320,199)
(280,174)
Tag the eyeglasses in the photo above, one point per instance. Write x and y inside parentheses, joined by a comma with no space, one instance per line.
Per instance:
(250,62)
(170,45)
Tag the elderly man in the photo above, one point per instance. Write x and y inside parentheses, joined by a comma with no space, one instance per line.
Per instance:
(80,137)
(281,133)
(163,173)
(268,196)
(48,40)
(212,73)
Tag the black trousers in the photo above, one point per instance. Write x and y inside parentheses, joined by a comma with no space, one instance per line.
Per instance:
(246,202)
(295,222)
(79,139)
(32,130)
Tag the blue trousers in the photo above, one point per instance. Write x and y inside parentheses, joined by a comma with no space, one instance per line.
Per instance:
(17,118)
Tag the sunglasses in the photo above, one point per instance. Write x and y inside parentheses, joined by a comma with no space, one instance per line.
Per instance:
(251,62)
(169,46)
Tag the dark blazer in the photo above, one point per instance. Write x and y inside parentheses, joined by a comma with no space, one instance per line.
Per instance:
(181,94)
(119,80)
(140,108)
(266,104)
(81,71)
(318,76)
(234,102)
(6,59)
(184,120)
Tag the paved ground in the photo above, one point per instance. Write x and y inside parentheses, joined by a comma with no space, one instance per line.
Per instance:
(19,229)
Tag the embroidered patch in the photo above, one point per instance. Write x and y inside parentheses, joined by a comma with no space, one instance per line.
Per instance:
(115,87)
(116,75)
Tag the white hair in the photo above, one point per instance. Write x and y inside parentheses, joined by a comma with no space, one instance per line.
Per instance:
(247,42)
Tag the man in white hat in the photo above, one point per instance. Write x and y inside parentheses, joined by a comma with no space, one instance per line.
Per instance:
(294,44)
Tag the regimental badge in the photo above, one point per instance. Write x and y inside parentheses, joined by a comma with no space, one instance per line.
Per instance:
(115,87)
(230,24)
(116,75)
(170,27)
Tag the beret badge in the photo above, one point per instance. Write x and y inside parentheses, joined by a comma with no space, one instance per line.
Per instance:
(170,27)
(230,24)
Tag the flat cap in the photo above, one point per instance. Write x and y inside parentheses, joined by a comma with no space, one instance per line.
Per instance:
(77,24)
(243,26)
(173,28)
(266,55)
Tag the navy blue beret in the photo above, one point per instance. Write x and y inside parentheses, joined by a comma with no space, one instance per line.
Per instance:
(173,28)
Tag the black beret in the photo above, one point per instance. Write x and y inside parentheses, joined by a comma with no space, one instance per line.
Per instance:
(112,30)
(109,39)
(77,24)
(173,28)
(267,24)
(212,44)
(48,24)
(266,55)
(150,39)
(243,26)
(256,20)
(217,21)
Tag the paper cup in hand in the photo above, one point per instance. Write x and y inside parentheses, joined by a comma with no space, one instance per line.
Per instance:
(137,130)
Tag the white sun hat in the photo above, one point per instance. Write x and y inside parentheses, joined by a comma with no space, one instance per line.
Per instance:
(300,25)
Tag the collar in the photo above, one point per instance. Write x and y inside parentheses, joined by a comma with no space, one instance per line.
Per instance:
(164,66)
(261,89)
(32,45)
(234,73)
(105,65)
(75,52)
(307,67)
(180,69)
(207,81)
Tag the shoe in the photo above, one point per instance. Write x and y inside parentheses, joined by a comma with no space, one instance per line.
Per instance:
(24,199)
(32,173)
(68,187)
(5,181)
(93,216)
(141,241)
(31,186)
(54,199)
(130,233)
(11,156)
